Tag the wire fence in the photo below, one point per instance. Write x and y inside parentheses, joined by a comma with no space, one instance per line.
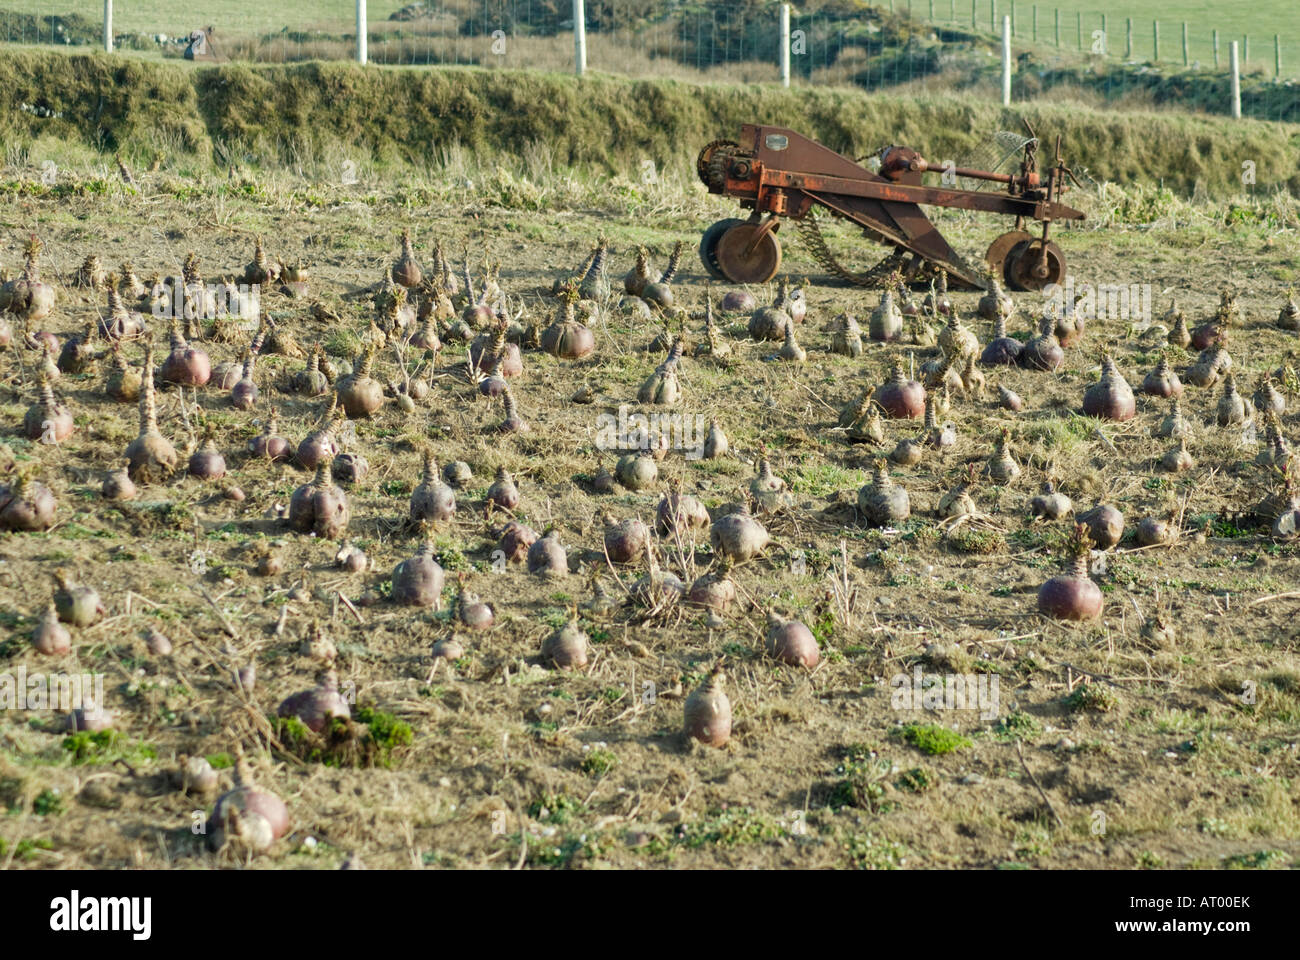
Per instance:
(908,46)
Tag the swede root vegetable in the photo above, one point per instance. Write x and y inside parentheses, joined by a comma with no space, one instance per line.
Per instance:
(1175,425)
(151,456)
(117,485)
(1276,451)
(899,397)
(91,273)
(660,294)
(568,338)
(769,323)
(294,277)
(995,304)
(417,580)
(708,711)
(846,338)
(738,537)
(1105,525)
(1212,363)
(516,539)
(349,468)
(158,644)
(406,270)
(882,501)
(320,507)
(603,481)
(939,436)
(457,474)
(1043,352)
(956,340)
(1110,398)
(546,556)
(1002,466)
(47,420)
(790,350)
(268,444)
(972,380)
(473,612)
(868,427)
(1268,399)
(1231,410)
(957,502)
(185,364)
(260,271)
(449,649)
(1152,531)
(207,463)
(248,818)
(503,492)
(936,302)
(679,513)
(790,641)
(625,540)
(716,590)
(51,637)
(28,297)
(92,718)
(907,452)
(1178,459)
(1179,335)
(662,386)
(885,324)
(360,394)
(737,301)
(1008,399)
(715,442)
(76,604)
(511,421)
(1288,318)
(319,705)
(566,648)
(244,393)
(594,284)
(636,471)
(432,499)
(636,278)
(1073,595)
(121,323)
(1002,349)
(1051,504)
(714,343)
(1162,381)
(79,354)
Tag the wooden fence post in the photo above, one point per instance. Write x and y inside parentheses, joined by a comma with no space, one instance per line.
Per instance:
(1235,67)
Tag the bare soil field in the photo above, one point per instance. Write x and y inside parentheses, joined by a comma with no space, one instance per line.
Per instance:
(1108,746)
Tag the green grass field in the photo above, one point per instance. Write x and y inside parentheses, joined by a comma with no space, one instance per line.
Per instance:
(160,16)
(1259,21)
(1234,21)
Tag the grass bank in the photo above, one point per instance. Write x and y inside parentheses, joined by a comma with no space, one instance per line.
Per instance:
(289,114)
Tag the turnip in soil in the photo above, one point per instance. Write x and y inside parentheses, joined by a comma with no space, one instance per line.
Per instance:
(1072,595)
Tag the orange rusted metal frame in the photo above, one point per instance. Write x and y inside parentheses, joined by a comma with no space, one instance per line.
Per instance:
(785,180)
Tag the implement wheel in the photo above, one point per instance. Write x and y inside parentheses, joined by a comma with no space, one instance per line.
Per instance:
(709,246)
(739,263)
(1028,269)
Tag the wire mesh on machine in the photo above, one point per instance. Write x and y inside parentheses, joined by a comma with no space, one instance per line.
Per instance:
(1003,149)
